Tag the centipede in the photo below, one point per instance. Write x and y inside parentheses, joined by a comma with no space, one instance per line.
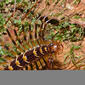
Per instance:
(32,50)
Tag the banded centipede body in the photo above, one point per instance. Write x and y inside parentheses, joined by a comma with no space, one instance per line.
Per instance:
(32,56)
(32,50)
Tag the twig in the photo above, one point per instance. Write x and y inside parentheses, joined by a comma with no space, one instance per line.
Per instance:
(14,6)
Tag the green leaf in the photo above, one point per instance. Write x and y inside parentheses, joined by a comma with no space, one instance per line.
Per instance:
(17,1)
(76,16)
(77,47)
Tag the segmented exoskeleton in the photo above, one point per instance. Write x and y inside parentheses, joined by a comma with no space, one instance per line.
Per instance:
(35,56)
(33,51)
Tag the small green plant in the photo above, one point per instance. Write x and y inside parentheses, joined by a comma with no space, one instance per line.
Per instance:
(71,55)
(2,22)
(67,31)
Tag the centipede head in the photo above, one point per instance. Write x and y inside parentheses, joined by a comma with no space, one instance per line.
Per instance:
(56,47)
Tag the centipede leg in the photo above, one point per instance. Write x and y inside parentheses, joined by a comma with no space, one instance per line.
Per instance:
(14,43)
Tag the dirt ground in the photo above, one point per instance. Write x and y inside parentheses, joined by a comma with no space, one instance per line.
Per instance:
(69,11)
